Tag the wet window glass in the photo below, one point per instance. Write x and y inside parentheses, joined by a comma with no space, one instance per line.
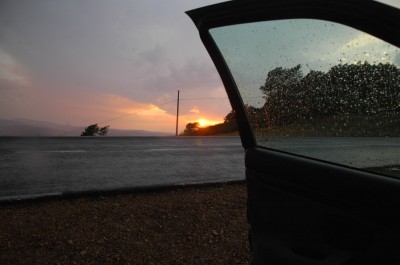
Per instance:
(318,89)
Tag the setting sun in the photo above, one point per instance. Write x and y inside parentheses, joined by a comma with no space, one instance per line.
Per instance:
(204,122)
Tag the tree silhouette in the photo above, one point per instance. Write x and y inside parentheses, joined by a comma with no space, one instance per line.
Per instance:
(281,94)
(346,89)
(104,130)
(230,117)
(360,92)
(191,128)
(94,129)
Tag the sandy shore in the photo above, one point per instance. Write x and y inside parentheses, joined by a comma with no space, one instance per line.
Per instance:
(194,225)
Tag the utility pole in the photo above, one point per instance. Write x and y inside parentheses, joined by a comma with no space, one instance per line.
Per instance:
(177,114)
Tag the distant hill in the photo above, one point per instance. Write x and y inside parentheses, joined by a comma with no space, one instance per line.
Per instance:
(25,127)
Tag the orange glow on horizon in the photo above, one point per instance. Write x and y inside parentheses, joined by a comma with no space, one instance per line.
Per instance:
(205,122)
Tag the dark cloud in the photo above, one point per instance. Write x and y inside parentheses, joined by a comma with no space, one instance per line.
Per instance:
(195,76)
(154,55)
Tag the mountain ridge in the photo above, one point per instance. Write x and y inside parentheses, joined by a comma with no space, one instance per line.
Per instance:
(26,127)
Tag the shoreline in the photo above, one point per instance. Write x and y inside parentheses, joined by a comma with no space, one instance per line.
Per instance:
(200,224)
(33,198)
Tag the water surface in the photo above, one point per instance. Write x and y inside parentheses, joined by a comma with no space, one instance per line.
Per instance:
(54,165)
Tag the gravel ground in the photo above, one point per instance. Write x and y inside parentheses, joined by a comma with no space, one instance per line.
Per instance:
(193,225)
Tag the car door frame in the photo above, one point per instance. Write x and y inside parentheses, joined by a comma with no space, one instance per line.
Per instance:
(371,17)
(369,198)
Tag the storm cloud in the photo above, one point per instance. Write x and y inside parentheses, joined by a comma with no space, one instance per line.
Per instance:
(61,54)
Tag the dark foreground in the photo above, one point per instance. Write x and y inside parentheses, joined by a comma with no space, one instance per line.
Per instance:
(196,225)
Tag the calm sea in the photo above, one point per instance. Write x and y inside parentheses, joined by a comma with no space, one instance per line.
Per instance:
(32,167)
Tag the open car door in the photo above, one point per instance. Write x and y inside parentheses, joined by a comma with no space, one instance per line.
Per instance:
(315,88)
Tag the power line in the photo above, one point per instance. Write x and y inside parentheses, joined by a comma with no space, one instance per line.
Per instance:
(160,105)
(202,98)
(125,115)
(177,114)
(129,114)
(135,112)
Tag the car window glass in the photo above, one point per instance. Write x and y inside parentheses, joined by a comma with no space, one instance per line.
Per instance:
(318,89)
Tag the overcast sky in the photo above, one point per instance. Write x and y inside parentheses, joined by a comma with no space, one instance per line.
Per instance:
(252,50)
(80,62)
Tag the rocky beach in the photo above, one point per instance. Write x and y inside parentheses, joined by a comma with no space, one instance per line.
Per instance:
(188,225)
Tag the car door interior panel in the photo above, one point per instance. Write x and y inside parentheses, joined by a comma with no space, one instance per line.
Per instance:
(329,194)
(293,222)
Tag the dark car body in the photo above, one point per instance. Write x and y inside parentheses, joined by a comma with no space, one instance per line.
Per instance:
(305,208)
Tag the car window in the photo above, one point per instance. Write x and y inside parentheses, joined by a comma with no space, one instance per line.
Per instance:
(318,89)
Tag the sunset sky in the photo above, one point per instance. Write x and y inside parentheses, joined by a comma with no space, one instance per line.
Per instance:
(121,62)
(83,62)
